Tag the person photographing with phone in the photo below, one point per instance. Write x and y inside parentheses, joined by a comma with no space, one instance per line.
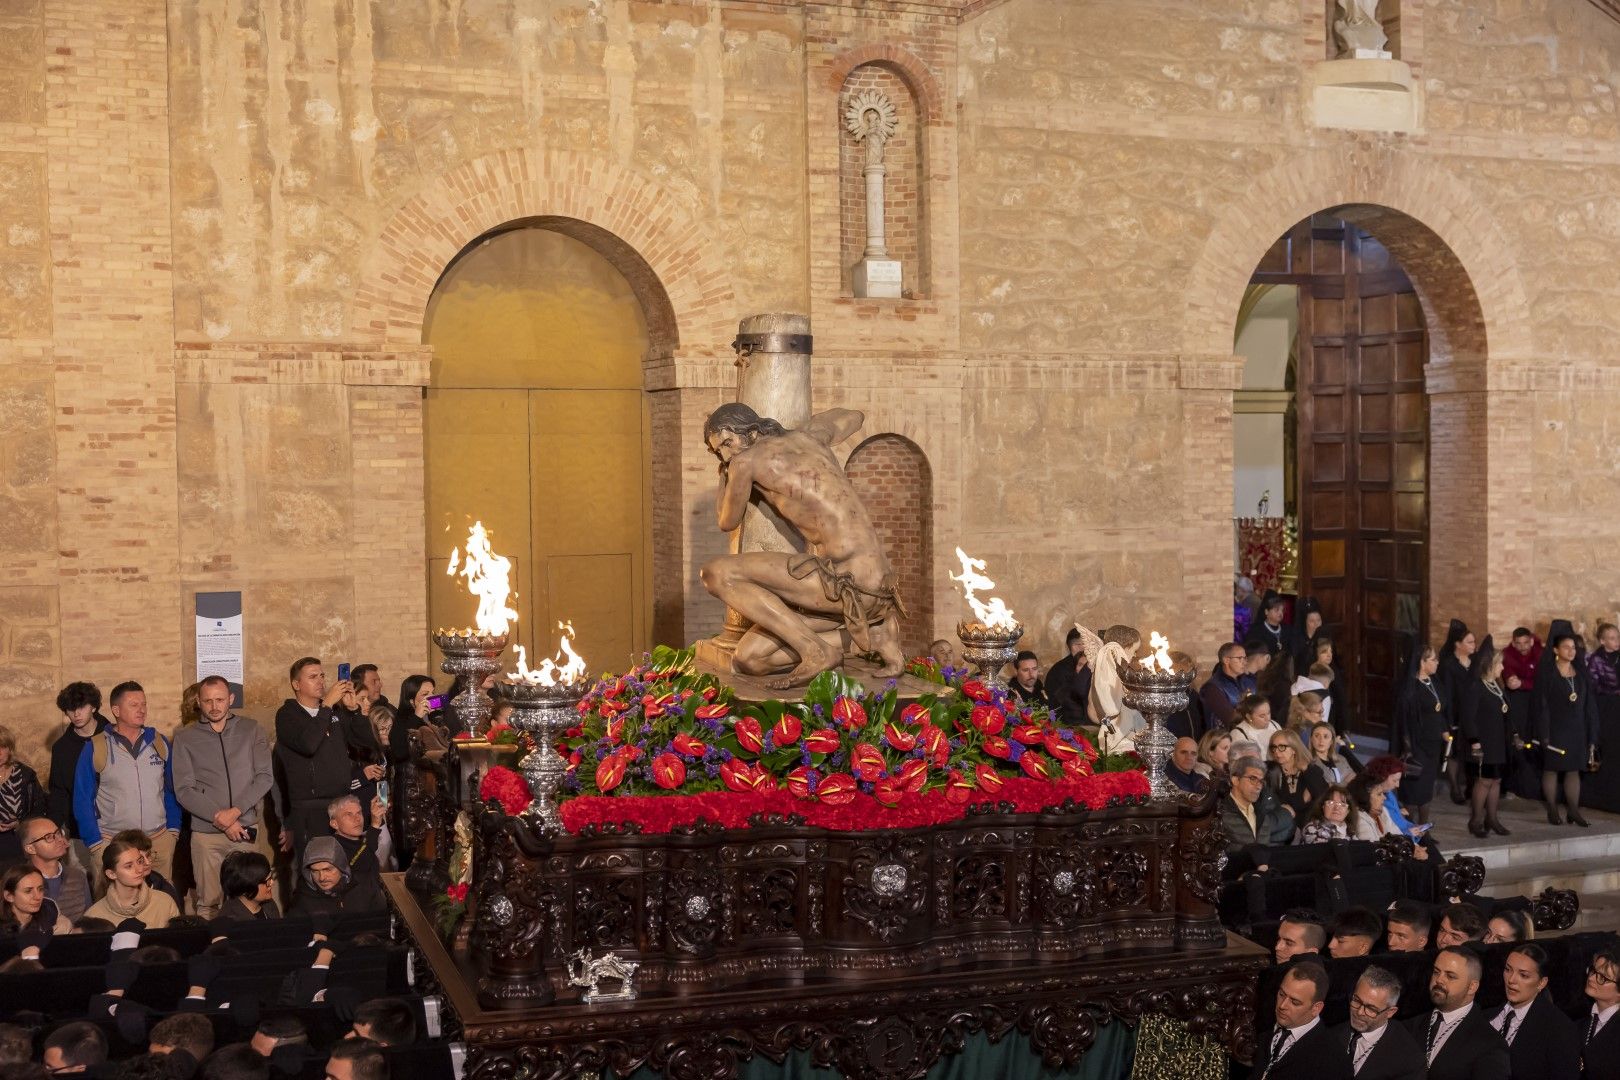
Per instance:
(315,731)
(221,775)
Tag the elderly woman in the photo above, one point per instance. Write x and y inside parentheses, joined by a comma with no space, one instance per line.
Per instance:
(1333,817)
(1290,775)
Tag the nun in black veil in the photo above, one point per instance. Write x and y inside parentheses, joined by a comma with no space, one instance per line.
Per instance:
(1484,729)
(1564,711)
(1418,731)
(1456,655)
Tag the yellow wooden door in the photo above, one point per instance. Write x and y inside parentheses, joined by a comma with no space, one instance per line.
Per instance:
(589,493)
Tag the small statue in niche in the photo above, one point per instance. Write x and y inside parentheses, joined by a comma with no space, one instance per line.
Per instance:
(1358,31)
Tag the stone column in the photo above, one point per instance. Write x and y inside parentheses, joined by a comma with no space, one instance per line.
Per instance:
(773,379)
(870,118)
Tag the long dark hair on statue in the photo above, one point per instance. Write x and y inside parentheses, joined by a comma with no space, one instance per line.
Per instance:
(737,417)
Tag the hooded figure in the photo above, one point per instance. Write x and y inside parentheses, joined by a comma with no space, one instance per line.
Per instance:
(319,891)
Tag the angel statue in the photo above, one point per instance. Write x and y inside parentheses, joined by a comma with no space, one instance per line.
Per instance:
(1117,723)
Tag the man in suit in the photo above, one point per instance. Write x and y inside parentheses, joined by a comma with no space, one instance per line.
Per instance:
(1301,1047)
(1600,1032)
(1542,1042)
(1378,1049)
(1457,1038)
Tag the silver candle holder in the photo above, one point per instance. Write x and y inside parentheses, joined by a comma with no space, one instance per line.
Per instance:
(1156,694)
(989,648)
(545,712)
(477,656)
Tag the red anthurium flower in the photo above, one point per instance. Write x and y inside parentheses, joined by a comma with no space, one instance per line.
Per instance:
(587,703)
(685,744)
(975,690)
(615,731)
(888,791)
(1028,734)
(798,781)
(1076,770)
(668,771)
(710,693)
(631,752)
(824,741)
(997,747)
(989,719)
(740,776)
(613,689)
(913,774)
(610,771)
(613,706)
(1034,765)
(989,781)
(915,715)
(749,735)
(933,741)
(849,713)
(866,762)
(712,712)
(958,788)
(654,707)
(1059,749)
(574,759)
(898,737)
(836,790)
(786,730)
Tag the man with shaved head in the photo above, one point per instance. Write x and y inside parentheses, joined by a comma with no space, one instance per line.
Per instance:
(1457,1037)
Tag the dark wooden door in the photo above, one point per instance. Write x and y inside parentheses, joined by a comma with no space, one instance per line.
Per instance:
(1363,453)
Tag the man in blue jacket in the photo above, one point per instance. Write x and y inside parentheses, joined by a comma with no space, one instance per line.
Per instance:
(124,780)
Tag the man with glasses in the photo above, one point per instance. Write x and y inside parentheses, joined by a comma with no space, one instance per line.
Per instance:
(1243,814)
(1458,1039)
(1542,1042)
(1227,685)
(1376,1048)
(1600,1032)
(46,846)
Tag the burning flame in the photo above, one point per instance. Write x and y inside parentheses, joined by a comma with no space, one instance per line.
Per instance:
(1160,656)
(995,615)
(550,672)
(488,578)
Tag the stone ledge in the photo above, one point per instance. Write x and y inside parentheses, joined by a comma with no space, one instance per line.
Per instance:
(301,362)
(1365,95)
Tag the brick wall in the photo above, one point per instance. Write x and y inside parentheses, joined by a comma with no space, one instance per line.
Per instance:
(903,192)
(892,476)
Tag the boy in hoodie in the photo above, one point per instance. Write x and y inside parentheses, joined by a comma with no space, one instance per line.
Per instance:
(326,886)
(124,780)
(314,731)
(221,774)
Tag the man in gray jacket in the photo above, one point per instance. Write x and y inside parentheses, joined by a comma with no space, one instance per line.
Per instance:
(221,774)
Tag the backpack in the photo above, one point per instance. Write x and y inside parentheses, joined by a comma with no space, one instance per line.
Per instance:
(100,748)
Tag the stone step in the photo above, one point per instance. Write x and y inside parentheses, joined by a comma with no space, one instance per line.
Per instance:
(1574,845)
(1588,876)
(1599,911)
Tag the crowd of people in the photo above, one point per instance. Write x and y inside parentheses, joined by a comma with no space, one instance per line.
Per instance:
(134,831)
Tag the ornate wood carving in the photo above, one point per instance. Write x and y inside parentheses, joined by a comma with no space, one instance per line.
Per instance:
(1555,909)
(1462,876)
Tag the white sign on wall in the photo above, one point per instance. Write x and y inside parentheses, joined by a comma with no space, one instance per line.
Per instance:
(219,639)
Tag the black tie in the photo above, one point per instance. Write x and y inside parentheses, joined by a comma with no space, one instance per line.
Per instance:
(1277,1041)
(1591,1029)
(1355,1041)
(1434,1029)
(1507,1024)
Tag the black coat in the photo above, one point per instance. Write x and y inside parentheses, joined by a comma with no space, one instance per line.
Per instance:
(1546,1045)
(1419,734)
(1484,720)
(1453,679)
(1288,639)
(1068,688)
(314,751)
(1600,1058)
(65,753)
(1571,725)
(1320,1055)
(1473,1051)
(1396,1057)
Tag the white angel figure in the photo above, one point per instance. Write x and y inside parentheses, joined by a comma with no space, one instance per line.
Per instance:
(1117,722)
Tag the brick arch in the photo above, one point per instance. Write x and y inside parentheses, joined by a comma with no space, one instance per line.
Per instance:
(895,481)
(669,256)
(1445,239)
(924,87)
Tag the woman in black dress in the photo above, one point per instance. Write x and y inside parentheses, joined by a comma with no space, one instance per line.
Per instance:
(1484,731)
(1565,713)
(1419,731)
(1453,678)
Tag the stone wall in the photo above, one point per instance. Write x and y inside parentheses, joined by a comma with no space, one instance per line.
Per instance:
(894,481)
(220,224)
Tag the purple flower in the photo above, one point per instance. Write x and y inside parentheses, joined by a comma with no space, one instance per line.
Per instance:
(1016,749)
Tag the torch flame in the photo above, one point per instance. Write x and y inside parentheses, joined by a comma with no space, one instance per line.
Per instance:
(488,578)
(995,615)
(550,672)
(1160,656)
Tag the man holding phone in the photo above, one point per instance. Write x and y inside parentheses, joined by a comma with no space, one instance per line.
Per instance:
(221,774)
(315,728)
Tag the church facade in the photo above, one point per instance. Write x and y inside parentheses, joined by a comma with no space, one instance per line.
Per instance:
(224,224)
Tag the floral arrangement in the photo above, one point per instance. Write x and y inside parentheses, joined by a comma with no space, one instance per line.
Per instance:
(449,908)
(506,787)
(498,734)
(844,757)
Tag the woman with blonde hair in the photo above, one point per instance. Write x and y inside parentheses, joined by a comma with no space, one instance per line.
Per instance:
(1305,712)
(1298,786)
(1214,751)
(1336,768)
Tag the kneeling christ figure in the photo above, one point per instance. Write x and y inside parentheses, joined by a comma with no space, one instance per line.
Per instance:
(807,609)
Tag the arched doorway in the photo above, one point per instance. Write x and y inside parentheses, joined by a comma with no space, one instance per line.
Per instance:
(537,423)
(1345,392)
(891,474)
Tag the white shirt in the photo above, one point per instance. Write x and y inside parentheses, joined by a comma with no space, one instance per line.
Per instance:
(1242,732)
(1603,1017)
(1293,1036)
(1364,1047)
(316,711)
(1519,1013)
(1448,1024)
